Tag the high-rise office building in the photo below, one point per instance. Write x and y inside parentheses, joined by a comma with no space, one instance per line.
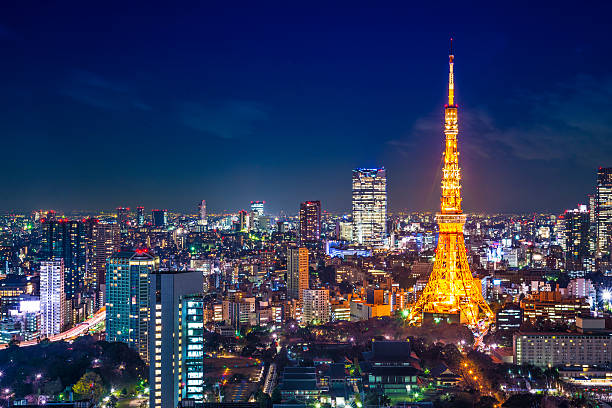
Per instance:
(297,272)
(176,343)
(576,238)
(202,210)
(123,218)
(89,279)
(369,206)
(257,207)
(140,216)
(105,242)
(127,298)
(66,239)
(316,306)
(310,221)
(243,221)
(160,218)
(603,211)
(52,296)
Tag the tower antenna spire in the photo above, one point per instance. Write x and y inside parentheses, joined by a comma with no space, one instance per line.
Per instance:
(451,77)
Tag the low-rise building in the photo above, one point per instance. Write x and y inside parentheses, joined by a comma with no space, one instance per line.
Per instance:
(550,349)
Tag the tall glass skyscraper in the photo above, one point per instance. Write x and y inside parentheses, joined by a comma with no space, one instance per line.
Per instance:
(202,210)
(257,207)
(603,211)
(576,238)
(160,218)
(127,298)
(67,240)
(369,206)
(52,297)
(140,216)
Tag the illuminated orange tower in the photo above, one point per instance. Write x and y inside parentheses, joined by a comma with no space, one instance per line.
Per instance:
(452,292)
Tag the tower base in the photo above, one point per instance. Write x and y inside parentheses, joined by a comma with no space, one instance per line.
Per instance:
(435,318)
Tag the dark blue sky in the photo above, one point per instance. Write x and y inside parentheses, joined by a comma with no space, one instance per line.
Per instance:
(137,104)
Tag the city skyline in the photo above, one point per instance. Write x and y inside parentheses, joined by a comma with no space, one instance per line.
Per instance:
(213,112)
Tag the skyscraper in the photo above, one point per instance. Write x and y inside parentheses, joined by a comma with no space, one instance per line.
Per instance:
(123,218)
(297,272)
(160,218)
(176,364)
(105,242)
(576,238)
(243,221)
(603,211)
(127,298)
(67,240)
(452,292)
(52,296)
(257,207)
(140,216)
(310,221)
(369,206)
(202,210)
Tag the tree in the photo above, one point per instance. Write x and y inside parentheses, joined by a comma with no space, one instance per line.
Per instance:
(52,387)
(89,386)
(276,396)
(263,399)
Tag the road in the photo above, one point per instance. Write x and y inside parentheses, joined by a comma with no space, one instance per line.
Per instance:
(270,379)
(70,334)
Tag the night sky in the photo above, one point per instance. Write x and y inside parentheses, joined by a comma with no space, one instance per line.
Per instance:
(135,104)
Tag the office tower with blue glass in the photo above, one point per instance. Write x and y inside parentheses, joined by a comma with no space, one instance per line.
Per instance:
(127,298)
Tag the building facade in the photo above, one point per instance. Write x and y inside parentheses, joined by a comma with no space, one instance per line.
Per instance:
(576,238)
(140,216)
(554,307)
(105,242)
(297,272)
(310,221)
(369,206)
(257,208)
(202,212)
(66,239)
(176,342)
(160,218)
(603,211)
(123,218)
(316,306)
(127,298)
(554,349)
(52,296)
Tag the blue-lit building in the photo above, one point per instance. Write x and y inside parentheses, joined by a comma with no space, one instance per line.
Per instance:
(176,357)
(160,218)
(127,298)
(192,354)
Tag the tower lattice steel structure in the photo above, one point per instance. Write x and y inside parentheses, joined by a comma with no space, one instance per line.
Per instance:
(451,289)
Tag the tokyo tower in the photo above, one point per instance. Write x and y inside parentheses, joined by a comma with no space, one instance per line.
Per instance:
(451,293)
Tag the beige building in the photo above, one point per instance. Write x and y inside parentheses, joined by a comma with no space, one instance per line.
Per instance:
(553,349)
(297,272)
(316,307)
